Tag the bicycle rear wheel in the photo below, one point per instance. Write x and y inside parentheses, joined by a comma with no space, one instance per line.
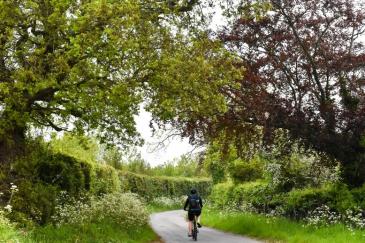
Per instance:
(195,230)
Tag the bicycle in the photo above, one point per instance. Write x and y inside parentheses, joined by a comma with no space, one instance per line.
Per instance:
(195,229)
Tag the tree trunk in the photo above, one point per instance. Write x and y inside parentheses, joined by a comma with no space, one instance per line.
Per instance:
(12,144)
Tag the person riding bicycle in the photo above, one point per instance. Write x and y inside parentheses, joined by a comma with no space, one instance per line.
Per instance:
(195,205)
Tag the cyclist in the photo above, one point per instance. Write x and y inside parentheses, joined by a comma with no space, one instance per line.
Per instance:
(195,204)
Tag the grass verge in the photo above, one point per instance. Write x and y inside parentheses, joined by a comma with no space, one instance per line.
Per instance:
(9,234)
(105,231)
(280,229)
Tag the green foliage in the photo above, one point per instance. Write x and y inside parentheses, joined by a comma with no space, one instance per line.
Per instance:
(113,157)
(185,166)
(151,187)
(359,196)
(86,66)
(279,229)
(137,165)
(299,202)
(8,232)
(242,171)
(80,147)
(42,175)
(215,165)
(35,201)
(124,209)
(224,159)
(104,179)
(262,198)
(256,196)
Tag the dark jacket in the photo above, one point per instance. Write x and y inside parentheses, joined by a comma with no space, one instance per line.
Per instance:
(193,196)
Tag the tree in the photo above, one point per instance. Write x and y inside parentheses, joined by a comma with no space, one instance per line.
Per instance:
(304,72)
(79,65)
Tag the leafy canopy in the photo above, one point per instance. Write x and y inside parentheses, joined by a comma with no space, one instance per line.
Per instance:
(85,65)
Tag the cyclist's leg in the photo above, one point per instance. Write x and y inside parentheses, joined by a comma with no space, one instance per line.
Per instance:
(190,223)
(198,219)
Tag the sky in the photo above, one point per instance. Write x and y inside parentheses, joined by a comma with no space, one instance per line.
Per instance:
(155,156)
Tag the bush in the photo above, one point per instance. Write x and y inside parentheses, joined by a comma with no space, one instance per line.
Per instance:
(124,209)
(34,201)
(104,179)
(42,175)
(252,196)
(261,198)
(65,172)
(359,196)
(299,202)
(241,171)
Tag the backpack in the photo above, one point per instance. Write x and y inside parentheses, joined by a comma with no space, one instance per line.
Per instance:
(194,202)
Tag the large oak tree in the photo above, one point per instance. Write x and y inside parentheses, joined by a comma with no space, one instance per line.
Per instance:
(88,64)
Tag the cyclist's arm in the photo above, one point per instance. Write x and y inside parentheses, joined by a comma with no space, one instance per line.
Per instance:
(201,203)
(186,203)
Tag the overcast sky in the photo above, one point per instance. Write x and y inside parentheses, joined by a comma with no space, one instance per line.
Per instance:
(175,148)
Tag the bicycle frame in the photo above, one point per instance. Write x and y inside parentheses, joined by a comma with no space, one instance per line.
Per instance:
(195,229)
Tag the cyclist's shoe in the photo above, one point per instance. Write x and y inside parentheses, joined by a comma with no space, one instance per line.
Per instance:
(199,225)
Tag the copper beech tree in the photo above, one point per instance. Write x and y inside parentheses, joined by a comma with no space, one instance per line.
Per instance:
(304,72)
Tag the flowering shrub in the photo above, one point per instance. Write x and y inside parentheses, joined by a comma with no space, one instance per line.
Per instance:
(9,208)
(169,202)
(324,216)
(125,209)
(354,218)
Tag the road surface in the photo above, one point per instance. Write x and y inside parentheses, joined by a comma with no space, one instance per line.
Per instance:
(171,226)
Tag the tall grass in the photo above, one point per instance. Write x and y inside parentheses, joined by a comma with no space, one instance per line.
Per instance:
(279,229)
(104,231)
(9,234)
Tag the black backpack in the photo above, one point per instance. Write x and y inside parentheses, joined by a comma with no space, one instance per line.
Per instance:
(194,202)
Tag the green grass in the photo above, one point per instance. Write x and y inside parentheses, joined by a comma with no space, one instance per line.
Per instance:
(98,232)
(279,230)
(9,234)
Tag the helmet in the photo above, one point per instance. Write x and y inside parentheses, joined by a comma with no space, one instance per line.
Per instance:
(193,191)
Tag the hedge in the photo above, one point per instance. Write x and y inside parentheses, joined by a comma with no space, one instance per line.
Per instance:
(44,174)
(150,187)
(238,196)
(296,204)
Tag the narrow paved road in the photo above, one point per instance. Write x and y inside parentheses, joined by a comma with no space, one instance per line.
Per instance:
(171,226)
